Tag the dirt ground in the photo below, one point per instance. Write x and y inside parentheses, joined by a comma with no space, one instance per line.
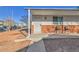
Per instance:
(7,41)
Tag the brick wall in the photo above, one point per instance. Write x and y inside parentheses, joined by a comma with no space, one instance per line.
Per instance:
(32,28)
(47,28)
(62,29)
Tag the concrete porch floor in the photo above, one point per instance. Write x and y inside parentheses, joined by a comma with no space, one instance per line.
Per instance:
(37,37)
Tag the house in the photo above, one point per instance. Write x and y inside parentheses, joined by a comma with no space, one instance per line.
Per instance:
(53,21)
(9,22)
(1,23)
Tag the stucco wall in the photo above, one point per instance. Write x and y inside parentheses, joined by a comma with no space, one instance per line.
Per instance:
(71,20)
(67,20)
(42,18)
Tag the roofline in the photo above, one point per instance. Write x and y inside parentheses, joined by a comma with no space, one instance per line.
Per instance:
(71,9)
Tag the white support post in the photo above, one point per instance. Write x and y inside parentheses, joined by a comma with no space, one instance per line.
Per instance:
(29,24)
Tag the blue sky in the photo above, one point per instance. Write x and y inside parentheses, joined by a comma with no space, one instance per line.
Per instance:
(18,11)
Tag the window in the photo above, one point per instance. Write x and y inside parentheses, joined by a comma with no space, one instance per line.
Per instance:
(57,20)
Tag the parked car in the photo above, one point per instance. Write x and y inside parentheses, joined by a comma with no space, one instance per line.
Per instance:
(2,29)
(5,27)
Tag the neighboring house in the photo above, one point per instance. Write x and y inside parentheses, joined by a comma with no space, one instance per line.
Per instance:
(53,21)
(9,23)
(1,23)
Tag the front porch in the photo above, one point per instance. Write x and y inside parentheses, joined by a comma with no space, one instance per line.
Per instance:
(51,21)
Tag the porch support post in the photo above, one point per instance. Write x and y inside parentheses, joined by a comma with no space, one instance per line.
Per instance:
(29,24)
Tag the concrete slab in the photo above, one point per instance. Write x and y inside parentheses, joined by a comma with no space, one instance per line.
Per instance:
(37,37)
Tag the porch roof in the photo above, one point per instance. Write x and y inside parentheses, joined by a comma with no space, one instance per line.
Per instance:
(54,11)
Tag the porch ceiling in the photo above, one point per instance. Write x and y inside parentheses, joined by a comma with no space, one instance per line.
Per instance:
(54,12)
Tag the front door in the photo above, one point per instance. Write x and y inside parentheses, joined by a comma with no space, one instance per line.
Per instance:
(58,22)
(37,28)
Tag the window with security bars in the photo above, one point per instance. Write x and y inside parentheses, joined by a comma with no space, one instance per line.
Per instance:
(57,20)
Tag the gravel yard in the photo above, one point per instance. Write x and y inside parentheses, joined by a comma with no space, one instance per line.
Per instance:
(8,43)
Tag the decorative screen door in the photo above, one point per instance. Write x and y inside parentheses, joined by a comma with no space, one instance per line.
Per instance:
(37,28)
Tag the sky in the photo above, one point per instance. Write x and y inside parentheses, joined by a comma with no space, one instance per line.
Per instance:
(17,11)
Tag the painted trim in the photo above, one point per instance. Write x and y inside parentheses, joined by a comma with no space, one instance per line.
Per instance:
(51,23)
(53,9)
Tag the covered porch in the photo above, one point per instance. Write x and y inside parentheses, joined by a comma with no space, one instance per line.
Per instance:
(51,21)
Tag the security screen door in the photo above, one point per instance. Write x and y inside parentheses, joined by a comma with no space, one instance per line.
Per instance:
(58,22)
(37,28)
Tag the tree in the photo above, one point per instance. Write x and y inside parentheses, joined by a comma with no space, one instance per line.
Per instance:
(9,22)
(24,19)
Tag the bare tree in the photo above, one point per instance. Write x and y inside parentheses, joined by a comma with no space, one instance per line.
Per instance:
(24,19)
(9,22)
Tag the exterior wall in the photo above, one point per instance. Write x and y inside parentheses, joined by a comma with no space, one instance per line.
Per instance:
(67,20)
(47,26)
(1,23)
(32,28)
(71,20)
(39,18)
